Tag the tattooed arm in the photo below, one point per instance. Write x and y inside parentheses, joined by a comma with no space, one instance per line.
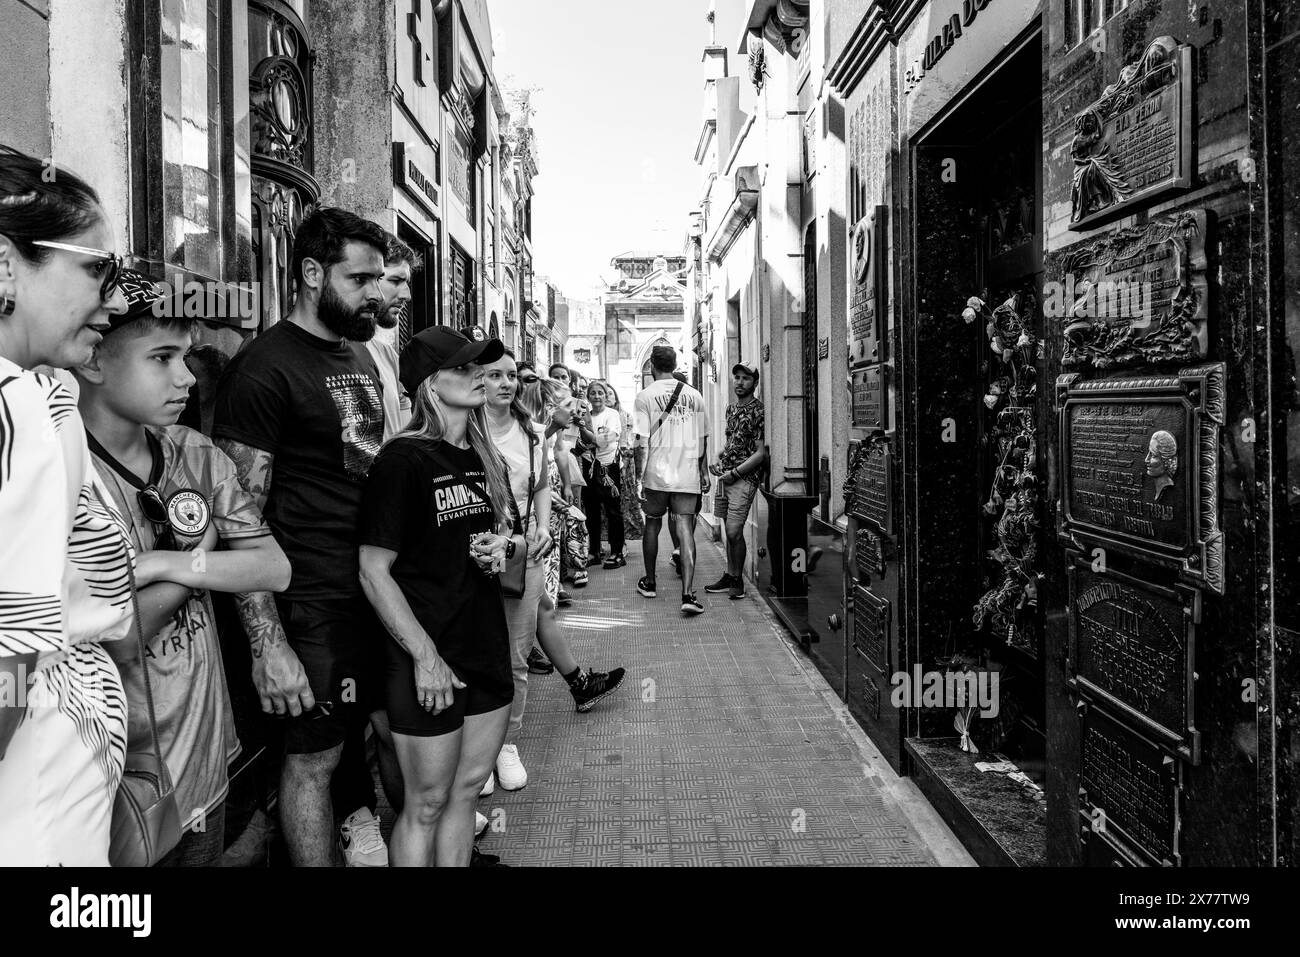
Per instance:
(278,676)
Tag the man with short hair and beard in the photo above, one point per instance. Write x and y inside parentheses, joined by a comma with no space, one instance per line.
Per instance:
(300,413)
(400,262)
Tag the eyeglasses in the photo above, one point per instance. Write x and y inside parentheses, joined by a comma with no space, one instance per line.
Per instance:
(112,271)
(154,510)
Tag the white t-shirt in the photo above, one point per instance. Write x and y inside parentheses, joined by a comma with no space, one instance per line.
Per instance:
(397,407)
(608,428)
(513,446)
(674,448)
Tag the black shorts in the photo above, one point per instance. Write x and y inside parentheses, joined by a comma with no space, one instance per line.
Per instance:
(481,694)
(679,503)
(340,645)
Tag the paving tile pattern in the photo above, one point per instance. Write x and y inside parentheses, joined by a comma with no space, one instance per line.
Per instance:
(716,750)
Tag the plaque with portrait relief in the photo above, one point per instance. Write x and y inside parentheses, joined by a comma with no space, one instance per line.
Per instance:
(867,287)
(1140,468)
(1134,143)
(1132,652)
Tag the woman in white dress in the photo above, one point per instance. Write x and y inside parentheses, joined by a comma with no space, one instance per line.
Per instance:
(64,577)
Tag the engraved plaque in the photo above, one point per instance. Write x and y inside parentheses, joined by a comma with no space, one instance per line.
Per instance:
(1135,142)
(871,489)
(869,554)
(1128,789)
(871,627)
(871,696)
(867,247)
(869,398)
(1135,296)
(1133,652)
(1140,467)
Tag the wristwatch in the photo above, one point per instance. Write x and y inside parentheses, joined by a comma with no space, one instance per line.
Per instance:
(510,549)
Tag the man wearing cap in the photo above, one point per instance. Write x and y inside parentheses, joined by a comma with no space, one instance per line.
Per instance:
(300,413)
(739,469)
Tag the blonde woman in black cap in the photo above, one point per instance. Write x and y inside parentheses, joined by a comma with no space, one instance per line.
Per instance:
(434,509)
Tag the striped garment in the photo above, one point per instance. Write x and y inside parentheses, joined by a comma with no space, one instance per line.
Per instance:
(64,590)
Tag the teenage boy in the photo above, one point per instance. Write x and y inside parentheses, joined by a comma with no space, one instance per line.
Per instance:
(672,424)
(179,494)
(739,470)
(300,413)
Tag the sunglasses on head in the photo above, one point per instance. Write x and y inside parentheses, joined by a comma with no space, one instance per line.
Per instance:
(112,261)
(528,379)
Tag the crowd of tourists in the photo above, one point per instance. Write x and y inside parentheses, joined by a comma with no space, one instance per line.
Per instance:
(399,532)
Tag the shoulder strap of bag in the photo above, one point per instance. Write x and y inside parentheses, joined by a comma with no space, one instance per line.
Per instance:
(672,401)
(144,669)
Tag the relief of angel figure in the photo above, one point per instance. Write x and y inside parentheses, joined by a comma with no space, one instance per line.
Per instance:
(1097,182)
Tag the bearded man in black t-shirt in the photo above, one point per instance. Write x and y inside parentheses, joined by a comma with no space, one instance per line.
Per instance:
(300,412)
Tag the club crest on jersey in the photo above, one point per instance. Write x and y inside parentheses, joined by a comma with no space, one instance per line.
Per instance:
(188,512)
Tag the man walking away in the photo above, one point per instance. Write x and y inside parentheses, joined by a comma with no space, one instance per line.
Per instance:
(739,468)
(673,426)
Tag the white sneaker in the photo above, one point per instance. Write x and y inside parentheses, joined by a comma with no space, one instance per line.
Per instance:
(480,824)
(510,770)
(362,844)
(488,786)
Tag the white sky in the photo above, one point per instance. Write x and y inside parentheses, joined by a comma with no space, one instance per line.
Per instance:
(617,118)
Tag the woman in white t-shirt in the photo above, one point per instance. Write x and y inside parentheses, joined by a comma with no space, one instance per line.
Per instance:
(521,444)
(603,494)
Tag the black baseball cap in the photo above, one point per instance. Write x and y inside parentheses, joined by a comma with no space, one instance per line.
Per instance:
(141,294)
(748,368)
(442,347)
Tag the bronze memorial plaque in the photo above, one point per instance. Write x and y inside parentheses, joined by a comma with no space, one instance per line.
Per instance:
(1135,296)
(1140,467)
(1135,142)
(867,248)
(869,398)
(871,627)
(871,495)
(1133,652)
(1128,789)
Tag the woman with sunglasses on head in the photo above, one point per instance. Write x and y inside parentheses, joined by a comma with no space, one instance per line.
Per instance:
(519,441)
(65,580)
(435,506)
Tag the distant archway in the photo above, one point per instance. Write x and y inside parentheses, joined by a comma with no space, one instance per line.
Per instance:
(494,328)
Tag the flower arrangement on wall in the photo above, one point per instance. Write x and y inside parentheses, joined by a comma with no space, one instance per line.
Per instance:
(1009,606)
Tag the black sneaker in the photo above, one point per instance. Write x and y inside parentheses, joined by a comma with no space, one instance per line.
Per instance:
(646,586)
(691,605)
(614,561)
(563,599)
(677,563)
(478,859)
(725,583)
(538,663)
(593,686)
(593,560)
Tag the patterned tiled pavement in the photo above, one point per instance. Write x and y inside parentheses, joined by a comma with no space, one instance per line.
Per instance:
(718,749)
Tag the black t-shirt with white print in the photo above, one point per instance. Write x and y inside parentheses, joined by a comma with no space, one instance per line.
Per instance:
(415,506)
(316,406)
